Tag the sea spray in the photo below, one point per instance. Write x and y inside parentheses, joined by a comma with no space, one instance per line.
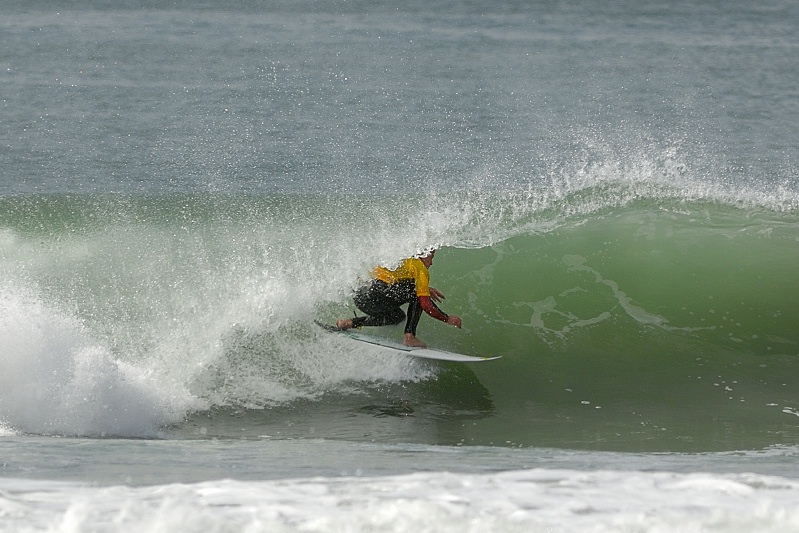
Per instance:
(56,379)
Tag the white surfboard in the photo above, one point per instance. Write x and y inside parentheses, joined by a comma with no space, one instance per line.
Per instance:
(425,353)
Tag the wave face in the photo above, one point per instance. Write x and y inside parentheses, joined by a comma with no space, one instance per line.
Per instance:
(659,321)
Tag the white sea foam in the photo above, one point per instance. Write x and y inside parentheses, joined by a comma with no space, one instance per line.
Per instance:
(537,500)
(54,379)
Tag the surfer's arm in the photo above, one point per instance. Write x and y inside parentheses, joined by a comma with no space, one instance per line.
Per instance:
(432,309)
(436,295)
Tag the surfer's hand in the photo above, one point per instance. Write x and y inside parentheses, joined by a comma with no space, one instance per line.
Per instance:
(454,320)
(436,295)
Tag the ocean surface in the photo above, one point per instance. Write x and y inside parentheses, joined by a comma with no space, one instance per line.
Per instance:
(185,186)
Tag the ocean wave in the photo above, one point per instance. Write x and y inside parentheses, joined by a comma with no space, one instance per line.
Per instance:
(215,297)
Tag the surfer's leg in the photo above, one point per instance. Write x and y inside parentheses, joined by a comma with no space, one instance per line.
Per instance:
(414,314)
(380,307)
(388,317)
(369,320)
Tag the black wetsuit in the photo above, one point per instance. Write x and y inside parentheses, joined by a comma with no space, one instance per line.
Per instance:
(381,302)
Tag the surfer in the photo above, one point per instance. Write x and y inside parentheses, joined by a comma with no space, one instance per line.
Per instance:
(382,296)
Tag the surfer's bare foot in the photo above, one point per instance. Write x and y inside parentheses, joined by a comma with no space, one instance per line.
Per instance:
(344,324)
(411,340)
